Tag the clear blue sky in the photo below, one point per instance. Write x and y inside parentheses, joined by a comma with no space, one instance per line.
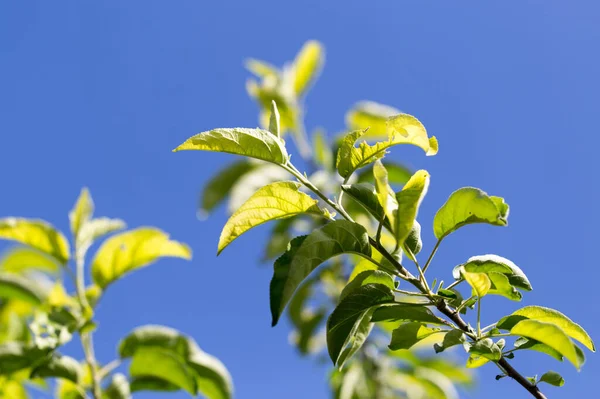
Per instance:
(98,93)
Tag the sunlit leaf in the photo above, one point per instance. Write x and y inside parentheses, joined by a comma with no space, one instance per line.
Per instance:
(150,336)
(548,334)
(22,259)
(131,250)
(406,312)
(469,205)
(59,367)
(163,364)
(548,315)
(367,277)
(365,194)
(219,185)
(15,356)
(254,143)
(148,383)
(475,361)
(348,315)
(451,338)
(11,389)
(397,174)
(118,388)
(486,348)
(408,334)
(276,201)
(307,65)
(552,378)
(322,150)
(401,129)
(37,234)
(13,286)
(261,68)
(214,381)
(252,181)
(307,252)
(409,200)
(413,242)
(480,282)
(371,115)
(274,120)
(82,211)
(96,229)
(525,343)
(498,264)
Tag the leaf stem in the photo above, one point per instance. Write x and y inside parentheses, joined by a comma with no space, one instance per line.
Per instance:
(478,317)
(432,254)
(454,284)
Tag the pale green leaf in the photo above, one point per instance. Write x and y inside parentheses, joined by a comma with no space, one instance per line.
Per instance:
(413,242)
(406,312)
(219,186)
(480,282)
(548,334)
(409,200)
(96,229)
(501,286)
(307,252)
(452,338)
(23,259)
(253,143)
(548,315)
(261,68)
(163,364)
(531,344)
(469,205)
(131,250)
(252,181)
(214,381)
(498,264)
(274,120)
(59,367)
(307,65)
(37,234)
(11,389)
(82,211)
(118,388)
(408,334)
(401,129)
(486,348)
(371,115)
(385,194)
(348,315)
(148,383)
(150,336)
(13,286)
(275,201)
(322,150)
(397,174)
(552,378)
(475,361)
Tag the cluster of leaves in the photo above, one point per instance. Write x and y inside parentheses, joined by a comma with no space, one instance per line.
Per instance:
(38,315)
(361,228)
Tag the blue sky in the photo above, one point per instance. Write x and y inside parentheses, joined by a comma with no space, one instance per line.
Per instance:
(97,94)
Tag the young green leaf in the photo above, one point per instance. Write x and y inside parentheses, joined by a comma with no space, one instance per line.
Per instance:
(401,129)
(409,200)
(406,312)
(275,201)
(367,277)
(219,186)
(357,337)
(349,314)
(469,205)
(480,282)
(307,65)
(531,344)
(307,252)
(397,174)
(370,115)
(150,336)
(165,365)
(148,383)
(19,260)
(274,120)
(253,143)
(548,334)
(552,378)
(409,334)
(498,264)
(82,212)
(214,381)
(59,367)
(486,348)
(365,195)
(548,315)
(13,286)
(95,229)
(132,250)
(385,194)
(118,388)
(451,338)
(501,286)
(37,234)
(413,242)
(260,68)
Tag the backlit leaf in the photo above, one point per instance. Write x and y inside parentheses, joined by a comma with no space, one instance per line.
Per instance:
(37,234)
(452,338)
(118,388)
(552,378)
(480,282)
(367,277)
(385,194)
(469,205)
(163,364)
(22,259)
(253,143)
(82,211)
(405,312)
(498,264)
(220,184)
(307,252)
(371,115)
(408,334)
(307,65)
(397,174)
(13,286)
(59,367)
(548,315)
(486,348)
(96,229)
(275,201)
(409,200)
(131,250)
(525,343)
(365,195)
(214,381)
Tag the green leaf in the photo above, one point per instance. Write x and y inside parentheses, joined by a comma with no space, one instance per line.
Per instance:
(11,389)
(307,65)
(13,286)
(15,356)
(469,205)
(406,312)
(219,186)
(308,252)
(357,337)
(397,174)
(59,366)
(498,264)
(214,381)
(525,343)
(253,143)
(501,286)
(370,115)
(480,282)
(274,120)
(409,200)
(385,194)
(132,250)
(252,181)
(275,201)
(365,195)
(162,363)
(152,384)
(413,242)
(548,315)
(94,230)
(367,277)
(401,129)
(451,338)
(548,334)
(552,378)
(82,211)
(486,348)
(118,388)
(474,361)
(261,68)
(348,315)
(153,336)
(22,259)
(322,151)
(408,334)
(37,234)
